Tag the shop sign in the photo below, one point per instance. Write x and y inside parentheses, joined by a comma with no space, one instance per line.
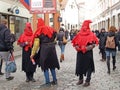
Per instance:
(42,6)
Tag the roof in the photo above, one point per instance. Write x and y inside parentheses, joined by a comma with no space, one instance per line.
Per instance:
(63,4)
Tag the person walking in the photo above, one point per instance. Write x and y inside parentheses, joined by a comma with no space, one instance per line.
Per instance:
(102,42)
(6,46)
(118,36)
(61,44)
(25,41)
(44,39)
(110,47)
(1,62)
(84,42)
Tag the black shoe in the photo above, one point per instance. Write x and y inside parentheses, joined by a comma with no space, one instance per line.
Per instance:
(1,73)
(79,82)
(86,84)
(46,85)
(54,82)
(114,67)
(10,78)
(108,71)
(27,80)
(33,80)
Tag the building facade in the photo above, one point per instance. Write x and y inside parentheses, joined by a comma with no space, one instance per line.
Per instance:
(107,13)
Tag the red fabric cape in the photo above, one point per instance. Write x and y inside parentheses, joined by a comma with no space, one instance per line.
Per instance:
(42,29)
(84,37)
(27,36)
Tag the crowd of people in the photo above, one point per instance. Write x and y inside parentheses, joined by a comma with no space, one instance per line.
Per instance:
(38,49)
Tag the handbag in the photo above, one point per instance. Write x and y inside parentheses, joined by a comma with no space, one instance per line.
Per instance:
(64,40)
(11,65)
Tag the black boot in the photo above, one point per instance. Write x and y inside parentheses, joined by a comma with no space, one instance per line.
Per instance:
(114,61)
(1,67)
(31,77)
(108,64)
(27,77)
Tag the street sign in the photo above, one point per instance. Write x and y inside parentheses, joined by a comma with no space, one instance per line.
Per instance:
(26,3)
(42,6)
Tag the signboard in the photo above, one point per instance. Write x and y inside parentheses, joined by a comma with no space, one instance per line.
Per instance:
(42,6)
(26,3)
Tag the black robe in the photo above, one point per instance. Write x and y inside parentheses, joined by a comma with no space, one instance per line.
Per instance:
(84,62)
(48,57)
(27,64)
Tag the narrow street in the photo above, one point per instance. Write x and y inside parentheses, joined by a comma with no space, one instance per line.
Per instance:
(66,75)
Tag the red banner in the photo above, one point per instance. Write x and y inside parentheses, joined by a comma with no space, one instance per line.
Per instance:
(42,6)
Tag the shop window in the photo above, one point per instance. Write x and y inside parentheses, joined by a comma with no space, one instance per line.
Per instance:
(19,25)
(119,20)
(12,24)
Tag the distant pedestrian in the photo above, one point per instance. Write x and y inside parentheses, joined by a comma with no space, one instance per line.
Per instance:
(102,42)
(44,38)
(111,44)
(6,46)
(118,36)
(61,44)
(84,42)
(25,41)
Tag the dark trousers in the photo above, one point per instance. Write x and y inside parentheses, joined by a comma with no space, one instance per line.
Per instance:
(103,53)
(29,75)
(1,61)
(88,76)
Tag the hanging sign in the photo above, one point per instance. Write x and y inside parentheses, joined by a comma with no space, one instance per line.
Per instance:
(42,6)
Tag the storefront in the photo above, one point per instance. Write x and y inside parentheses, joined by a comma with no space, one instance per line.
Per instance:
(15,23)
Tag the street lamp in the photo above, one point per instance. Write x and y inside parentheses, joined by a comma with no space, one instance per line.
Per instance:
(78,7)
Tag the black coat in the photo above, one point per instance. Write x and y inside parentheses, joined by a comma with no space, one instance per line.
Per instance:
(48,56)
(5,39)
(102,40)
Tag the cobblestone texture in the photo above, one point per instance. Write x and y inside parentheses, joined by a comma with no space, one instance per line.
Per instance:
(66,75)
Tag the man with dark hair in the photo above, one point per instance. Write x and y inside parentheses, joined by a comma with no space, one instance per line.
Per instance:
(6,46)
(102,42)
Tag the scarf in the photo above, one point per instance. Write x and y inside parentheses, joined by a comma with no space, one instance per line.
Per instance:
(27,36)
(43,29)
(84,37)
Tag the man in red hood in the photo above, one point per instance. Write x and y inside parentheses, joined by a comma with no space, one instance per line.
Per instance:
(84,42)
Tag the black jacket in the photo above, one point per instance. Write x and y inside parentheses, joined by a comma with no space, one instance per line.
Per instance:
(5,39)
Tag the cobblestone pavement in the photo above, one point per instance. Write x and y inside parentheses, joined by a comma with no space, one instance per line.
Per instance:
(66,75)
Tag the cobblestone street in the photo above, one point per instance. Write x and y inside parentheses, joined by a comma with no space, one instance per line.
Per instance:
(66,75)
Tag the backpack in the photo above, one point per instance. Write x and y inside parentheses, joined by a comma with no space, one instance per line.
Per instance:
(110,42)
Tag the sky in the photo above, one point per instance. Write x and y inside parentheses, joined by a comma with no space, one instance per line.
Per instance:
(90,5)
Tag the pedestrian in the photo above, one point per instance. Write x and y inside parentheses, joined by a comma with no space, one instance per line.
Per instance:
(1,62)
(110,47)
(61,44)
(84,42)
(25,41)
(6,46)
(102,42)
(44,38)
(118,36)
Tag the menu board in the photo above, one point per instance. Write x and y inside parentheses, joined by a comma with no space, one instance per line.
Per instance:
(43,6)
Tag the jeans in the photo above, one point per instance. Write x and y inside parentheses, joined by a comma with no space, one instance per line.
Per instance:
(110,52)
(5,56)
(46,74)
(62,48)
